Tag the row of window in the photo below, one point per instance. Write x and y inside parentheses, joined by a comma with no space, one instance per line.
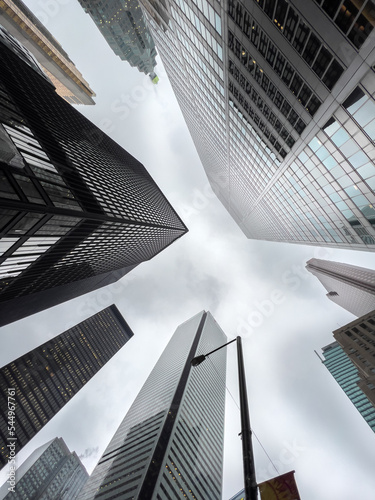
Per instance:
(257,120)
(301,90)
(355,19)
(195,47)
(266,111)
(200,27)
(209,13)
(318,57)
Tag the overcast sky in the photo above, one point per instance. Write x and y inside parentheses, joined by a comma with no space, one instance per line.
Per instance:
(255,289)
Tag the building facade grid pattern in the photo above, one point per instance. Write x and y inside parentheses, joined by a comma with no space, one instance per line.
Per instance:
(346,375)
(75,206)
(46,378)
(285,127)
(192,449)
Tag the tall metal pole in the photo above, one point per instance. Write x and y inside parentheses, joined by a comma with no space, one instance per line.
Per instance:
(251,491)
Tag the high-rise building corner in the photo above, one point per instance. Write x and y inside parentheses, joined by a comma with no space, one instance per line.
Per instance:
(42,381)
(77,211)
(351,287)
(278,97)
(170,443)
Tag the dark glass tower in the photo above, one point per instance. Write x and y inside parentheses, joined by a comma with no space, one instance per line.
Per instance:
(51,472)
(46,378)
(77,211)
(170,443)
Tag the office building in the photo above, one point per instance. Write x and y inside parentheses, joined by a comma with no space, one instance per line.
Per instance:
(346,374)
(51,472)
(239,496)
(351,287)
(170,443)
(77,211)
(43,380)
(279,99)
(124,27)
(20,22)
(357,339)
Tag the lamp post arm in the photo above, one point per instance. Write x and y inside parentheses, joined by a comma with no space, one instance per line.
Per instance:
(234,340)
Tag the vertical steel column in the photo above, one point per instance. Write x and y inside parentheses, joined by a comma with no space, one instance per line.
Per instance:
(251,489)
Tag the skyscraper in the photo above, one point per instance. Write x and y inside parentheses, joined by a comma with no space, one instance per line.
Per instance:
(51,472)
(357,339)
(43,380)
(351,287)
(239,496)
(77,211)
(346,375)
(123,26)
(279,99)
(170,443)
(17,18)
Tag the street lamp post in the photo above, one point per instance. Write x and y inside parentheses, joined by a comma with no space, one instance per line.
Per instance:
(251,491)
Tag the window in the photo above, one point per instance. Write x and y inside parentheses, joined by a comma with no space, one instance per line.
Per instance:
(313,105)
(322,61)
(269,7)
(265,82)
(292,118)
(281,8)
(296,84)
(301,36)
(279,65)
(305,94)
(271,53)
(311,49)
(285,108)
(331,6)
(287,74)
(6,189)
(255,34)
(27,222)
(290,24)
(29,189)
(333,74)
(346,15)
(263,44)
(271,90)
(363,26)
(300,126)
(246,24)
(278,99)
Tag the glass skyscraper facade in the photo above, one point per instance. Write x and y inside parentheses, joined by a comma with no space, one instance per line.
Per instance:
(239,496)
(170,443)
(124,27)
(43,380)
(279,99)
(346,375)
(17,18)
(351,287)
(51,472)
(77,212)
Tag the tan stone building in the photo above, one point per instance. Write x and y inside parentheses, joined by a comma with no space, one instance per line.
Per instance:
(27,29)
(358,341)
